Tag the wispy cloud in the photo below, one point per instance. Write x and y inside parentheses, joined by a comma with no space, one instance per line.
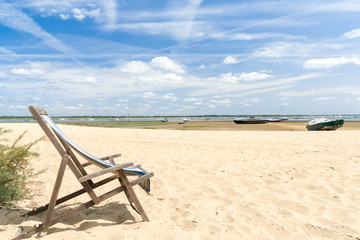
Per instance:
(214,85)
(319,91)
(176,20)
(341,6)
(353,34)
(16,19)
(322,98)
(6,51)
(178,30)
(110,12)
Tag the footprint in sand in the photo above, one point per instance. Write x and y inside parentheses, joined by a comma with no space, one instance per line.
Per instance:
(293,206)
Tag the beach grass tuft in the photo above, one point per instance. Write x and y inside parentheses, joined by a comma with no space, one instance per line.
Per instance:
(15,168)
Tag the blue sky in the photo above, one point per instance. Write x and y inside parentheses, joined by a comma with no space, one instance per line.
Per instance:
(191,57)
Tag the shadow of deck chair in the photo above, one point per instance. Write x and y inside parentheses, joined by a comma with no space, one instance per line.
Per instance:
(66,149)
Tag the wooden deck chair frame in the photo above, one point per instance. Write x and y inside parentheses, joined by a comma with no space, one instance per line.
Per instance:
(68,158)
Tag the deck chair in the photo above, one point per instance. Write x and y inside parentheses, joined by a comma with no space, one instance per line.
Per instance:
(66,149)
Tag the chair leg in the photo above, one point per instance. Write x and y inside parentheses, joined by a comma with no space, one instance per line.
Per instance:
(111,160)
(56,190)
(130,194)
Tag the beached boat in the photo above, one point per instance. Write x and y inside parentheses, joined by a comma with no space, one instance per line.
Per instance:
(162,119)
(250,121)
(324,124)
(275,120)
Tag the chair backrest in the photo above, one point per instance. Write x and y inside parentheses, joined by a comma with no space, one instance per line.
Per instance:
(62,143)
(82,152)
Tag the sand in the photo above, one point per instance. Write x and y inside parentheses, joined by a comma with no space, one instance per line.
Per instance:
(207,185)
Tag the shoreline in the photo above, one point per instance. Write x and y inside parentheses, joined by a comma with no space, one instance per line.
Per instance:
(213,125)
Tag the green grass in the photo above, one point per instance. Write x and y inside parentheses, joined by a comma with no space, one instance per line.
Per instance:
(194,126)
(112,124)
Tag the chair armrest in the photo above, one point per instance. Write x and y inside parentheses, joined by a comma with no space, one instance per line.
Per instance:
(111,156)
(107,158)
(105,170)
(142,178)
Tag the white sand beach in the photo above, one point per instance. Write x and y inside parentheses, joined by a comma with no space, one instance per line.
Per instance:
(207,185)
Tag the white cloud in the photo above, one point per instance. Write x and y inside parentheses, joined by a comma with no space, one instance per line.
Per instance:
(167,64)
(149,95)
(283,49)
(172,78)
(322,98)
(169,96)
(80,14)
(64,16)
(90,80)
(244,77)
(249,102)
(230,60)
(31,69)
(100,10)
(192,99)
(225,102)
(17,107)
(160,70)
(253,100)
(26,72)
(353,34)
(328,63)
(135,67)
(353,92)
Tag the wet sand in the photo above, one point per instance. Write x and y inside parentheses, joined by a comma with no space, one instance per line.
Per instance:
(231,126)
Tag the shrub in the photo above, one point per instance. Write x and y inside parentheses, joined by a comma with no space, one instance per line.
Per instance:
(15,168)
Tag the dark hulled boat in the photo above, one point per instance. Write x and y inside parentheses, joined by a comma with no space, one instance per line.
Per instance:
(250,121)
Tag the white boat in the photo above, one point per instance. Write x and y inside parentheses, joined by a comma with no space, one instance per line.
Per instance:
(324,124)
(162,119)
